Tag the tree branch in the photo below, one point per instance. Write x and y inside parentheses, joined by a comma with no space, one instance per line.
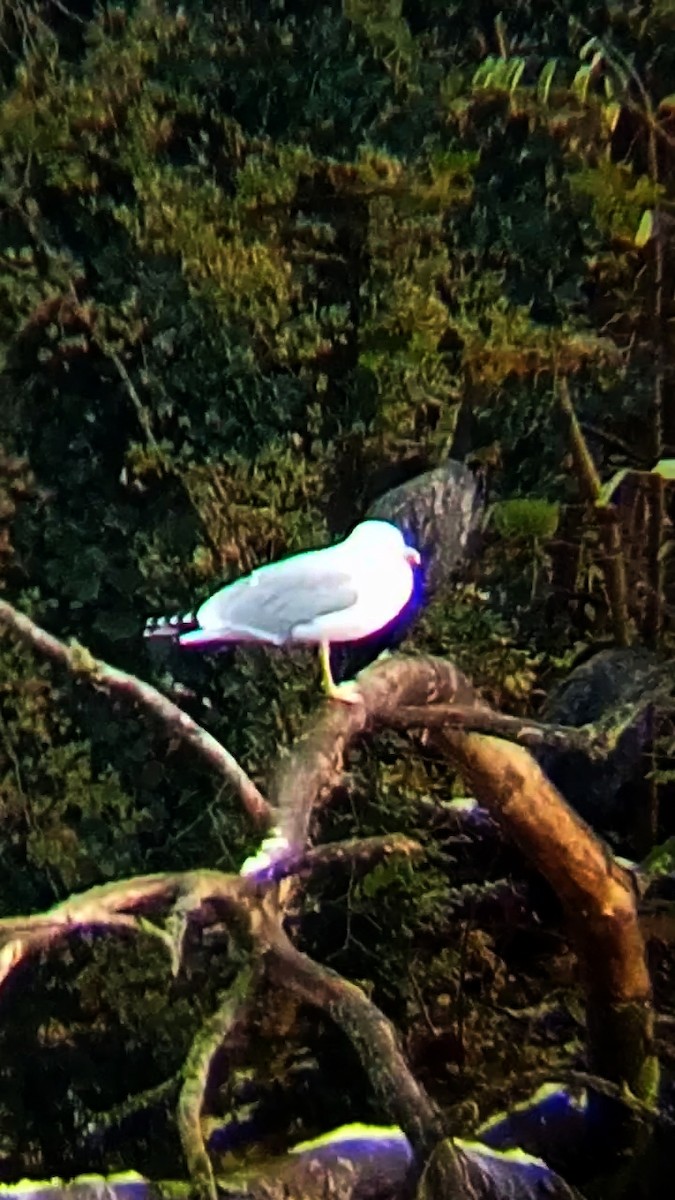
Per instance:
(597,895)
(314,768)
(206,1045)
(191,896)
(373,1036)
(486,720)
(178,724)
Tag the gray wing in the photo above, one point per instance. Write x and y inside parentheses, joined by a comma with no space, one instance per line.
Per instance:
(269,603)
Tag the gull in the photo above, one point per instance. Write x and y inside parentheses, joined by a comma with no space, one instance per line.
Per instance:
(341,593)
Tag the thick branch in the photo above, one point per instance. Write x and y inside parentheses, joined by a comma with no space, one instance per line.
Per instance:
(401,1097)
(484,720)
(360,853)
(315,766)
(597,895)
(176,723)
(190,896)
(115,906)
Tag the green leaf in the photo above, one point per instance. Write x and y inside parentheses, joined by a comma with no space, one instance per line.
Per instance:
(592,44)
(608,489)
(581,82)
(666,468)
(524,517)
(660,860)
(483,75)
(381,877)
(546,79)
(612,112)
(516,73)
(645,229)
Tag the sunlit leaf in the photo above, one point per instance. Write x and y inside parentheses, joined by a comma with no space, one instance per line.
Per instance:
(645,229)
(588,47)
(612,112)
(666,468)
(660,860)
(609,488)
(546,79)
(581,82)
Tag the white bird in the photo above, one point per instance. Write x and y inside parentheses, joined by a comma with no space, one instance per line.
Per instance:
(338,594)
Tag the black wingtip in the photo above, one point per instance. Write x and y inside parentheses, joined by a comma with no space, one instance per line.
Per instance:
(170,627)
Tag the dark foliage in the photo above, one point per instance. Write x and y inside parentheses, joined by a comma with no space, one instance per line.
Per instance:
(259,263)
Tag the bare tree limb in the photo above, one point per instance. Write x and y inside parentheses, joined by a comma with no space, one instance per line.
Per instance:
(111,906)
(315,766)
(98,1122)
(597,895)
(485,720)
(362,853)
(256,931)
(373,1036)
(187,896)
(177,723)
(206,1045)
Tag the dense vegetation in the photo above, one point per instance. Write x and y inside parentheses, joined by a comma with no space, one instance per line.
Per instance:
(259,262)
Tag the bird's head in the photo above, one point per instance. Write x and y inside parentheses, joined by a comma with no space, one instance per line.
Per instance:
(383,539)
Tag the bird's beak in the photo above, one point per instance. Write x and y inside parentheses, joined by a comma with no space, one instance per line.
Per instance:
(413,556)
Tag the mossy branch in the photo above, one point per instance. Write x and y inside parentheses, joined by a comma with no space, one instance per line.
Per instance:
(134,691)
(597,895)
(202,898)
(211,1037)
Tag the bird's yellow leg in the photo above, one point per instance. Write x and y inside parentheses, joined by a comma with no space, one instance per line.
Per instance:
(349,692)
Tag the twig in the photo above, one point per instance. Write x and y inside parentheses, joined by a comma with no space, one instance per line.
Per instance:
(362,853)
(97,1123)
(607,520)
(518,729)
(141,410)
(656,516)
(612,439)
(176,722)
(119,905)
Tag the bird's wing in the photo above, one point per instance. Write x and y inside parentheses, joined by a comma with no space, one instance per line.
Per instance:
(268,604)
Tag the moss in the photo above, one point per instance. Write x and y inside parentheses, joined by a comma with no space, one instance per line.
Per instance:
(531,518)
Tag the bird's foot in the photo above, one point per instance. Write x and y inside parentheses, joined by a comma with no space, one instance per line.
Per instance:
(348,692)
